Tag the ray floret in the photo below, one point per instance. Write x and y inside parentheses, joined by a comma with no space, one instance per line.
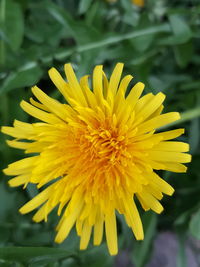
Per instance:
(95,154)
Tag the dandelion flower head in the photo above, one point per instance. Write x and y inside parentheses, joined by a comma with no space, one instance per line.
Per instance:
(95,154)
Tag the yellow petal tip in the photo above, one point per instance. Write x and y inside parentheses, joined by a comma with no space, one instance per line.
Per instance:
(58,240)
(171,192)
(51,70)
(5,171)
(22,211)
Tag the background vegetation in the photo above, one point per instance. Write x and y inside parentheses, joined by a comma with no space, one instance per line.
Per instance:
(160,46)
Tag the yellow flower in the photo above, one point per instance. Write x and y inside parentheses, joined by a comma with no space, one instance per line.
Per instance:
(139,3)
(96,154)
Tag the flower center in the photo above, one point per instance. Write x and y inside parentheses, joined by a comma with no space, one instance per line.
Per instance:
(104,146)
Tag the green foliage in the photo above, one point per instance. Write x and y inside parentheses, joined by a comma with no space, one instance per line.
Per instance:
(31,255)
(195,225)
(11,13)
(160,45)
(142,249)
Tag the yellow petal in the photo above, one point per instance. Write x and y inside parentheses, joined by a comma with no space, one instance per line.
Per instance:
(158,121)
(98,230)
(169,156)
(19,180)
(38,105)
(89,95)
(143,101)
(111,233)
(85,236)
(39,114)
(21,166)
(43,212)
(135,94)
(154,190)
(170,134)
(37,200)
(174,167)
(53,105)
(60,83)
(22,133)
(98,83)
(115,78)
(134,218)
(17,144)
(123,85)
(172,146)
(150,201)
(67,223)
(151,107)
(74,85)
(161,184)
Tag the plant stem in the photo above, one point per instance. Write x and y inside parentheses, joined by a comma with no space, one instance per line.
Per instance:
(113,40)
(185,116)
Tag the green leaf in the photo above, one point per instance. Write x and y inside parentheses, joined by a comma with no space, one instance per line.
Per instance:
(28,75)
(142,249)
(185,116)
(180,28)
(84,6)
(183,53)
(34,254)
(194,135)
(126,5)
(11,23)
(142,43)
(194,85)
(7,198)
(93,15)
(113,40)
(181,31)
(184,217)
(181,255)
(80,31)
(126,36)
(194,225)
(63,17)
(96,256)
(4,233)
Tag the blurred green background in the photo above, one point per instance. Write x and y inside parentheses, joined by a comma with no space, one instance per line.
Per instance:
(160,46)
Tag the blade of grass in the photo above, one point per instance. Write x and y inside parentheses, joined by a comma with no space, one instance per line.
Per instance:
(113,40)
(185,116)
